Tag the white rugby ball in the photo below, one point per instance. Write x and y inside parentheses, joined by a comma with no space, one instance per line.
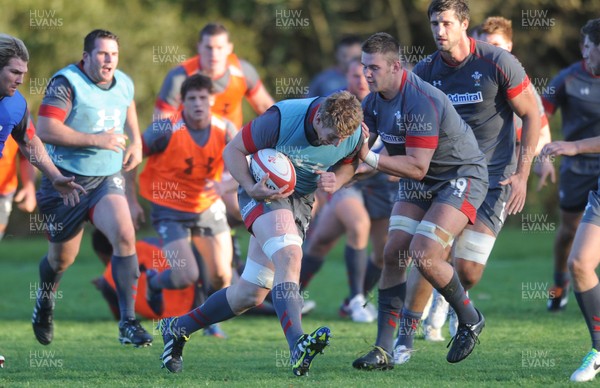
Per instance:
(280,169)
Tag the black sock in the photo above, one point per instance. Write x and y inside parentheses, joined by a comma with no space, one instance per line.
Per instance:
(125,272)
(49,279)
(589,303)
(372,276)
(390,304)
(356,267)
(409,324)
(310,266)
(459,300)
(561,278)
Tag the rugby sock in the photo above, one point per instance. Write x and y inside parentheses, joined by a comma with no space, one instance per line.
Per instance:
(459,300)
(409,323)
(561,278)
(372,276)
(215,309)
(162,280)
(356,262)
(125,272)
(310,266)
(390,303)
(288,306)
(46,292)
(589,303)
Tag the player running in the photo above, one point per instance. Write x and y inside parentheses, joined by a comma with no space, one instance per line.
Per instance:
(181,180)
(576,92)
(86,111)
(444,180)
(486,84)
(315,134)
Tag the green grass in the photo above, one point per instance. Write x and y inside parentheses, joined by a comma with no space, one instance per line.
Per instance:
(522,344)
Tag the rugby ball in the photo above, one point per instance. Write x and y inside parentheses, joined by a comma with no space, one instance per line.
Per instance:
(280,169)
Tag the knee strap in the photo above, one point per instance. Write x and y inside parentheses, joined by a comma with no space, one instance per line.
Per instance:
(435,232)
(276,243)
(404,224)
(474,246)
(258,274)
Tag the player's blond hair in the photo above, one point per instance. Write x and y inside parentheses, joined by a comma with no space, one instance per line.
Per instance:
(497,25)
(11,47)
(343,112)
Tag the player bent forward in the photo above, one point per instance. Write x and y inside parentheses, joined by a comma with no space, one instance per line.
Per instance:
(315,134)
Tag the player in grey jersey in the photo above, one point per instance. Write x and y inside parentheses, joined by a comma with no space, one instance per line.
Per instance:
(576,92)
(444,180)
(584,258)
(486,85)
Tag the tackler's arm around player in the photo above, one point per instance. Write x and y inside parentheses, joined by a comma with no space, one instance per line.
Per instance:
(414,164)
(235,160)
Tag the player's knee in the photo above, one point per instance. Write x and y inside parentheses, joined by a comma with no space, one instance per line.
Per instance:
(60,262)
(259,277)
(285,251)
(186,278)
(579,267)
(433,233)
(474,248)
(221,279)
(357,234)
(566,232)
(124,242)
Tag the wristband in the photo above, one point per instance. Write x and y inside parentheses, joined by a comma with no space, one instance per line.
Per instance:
(372,159)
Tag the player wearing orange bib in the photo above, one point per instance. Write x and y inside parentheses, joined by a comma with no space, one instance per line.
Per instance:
(9,182)
(233,79)
(150,255)
(182,182)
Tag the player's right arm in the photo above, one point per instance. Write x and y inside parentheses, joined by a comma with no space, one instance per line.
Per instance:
(51,127)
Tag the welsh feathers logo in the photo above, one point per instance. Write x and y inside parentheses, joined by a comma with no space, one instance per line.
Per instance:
(477,77)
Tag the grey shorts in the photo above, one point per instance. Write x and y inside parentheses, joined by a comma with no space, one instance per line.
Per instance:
(492,211)
(299,205)
(61,222)
(465,194)
(591,214)
(171,224)
(6,201)
(376,194)
(379,194)
(578,176)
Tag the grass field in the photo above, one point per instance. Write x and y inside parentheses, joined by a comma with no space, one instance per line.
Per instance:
(522,344)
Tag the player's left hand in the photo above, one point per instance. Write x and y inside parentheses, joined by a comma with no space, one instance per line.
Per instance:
(518,184)
(133,156)
(327,181)
(25,198)
(68,189)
